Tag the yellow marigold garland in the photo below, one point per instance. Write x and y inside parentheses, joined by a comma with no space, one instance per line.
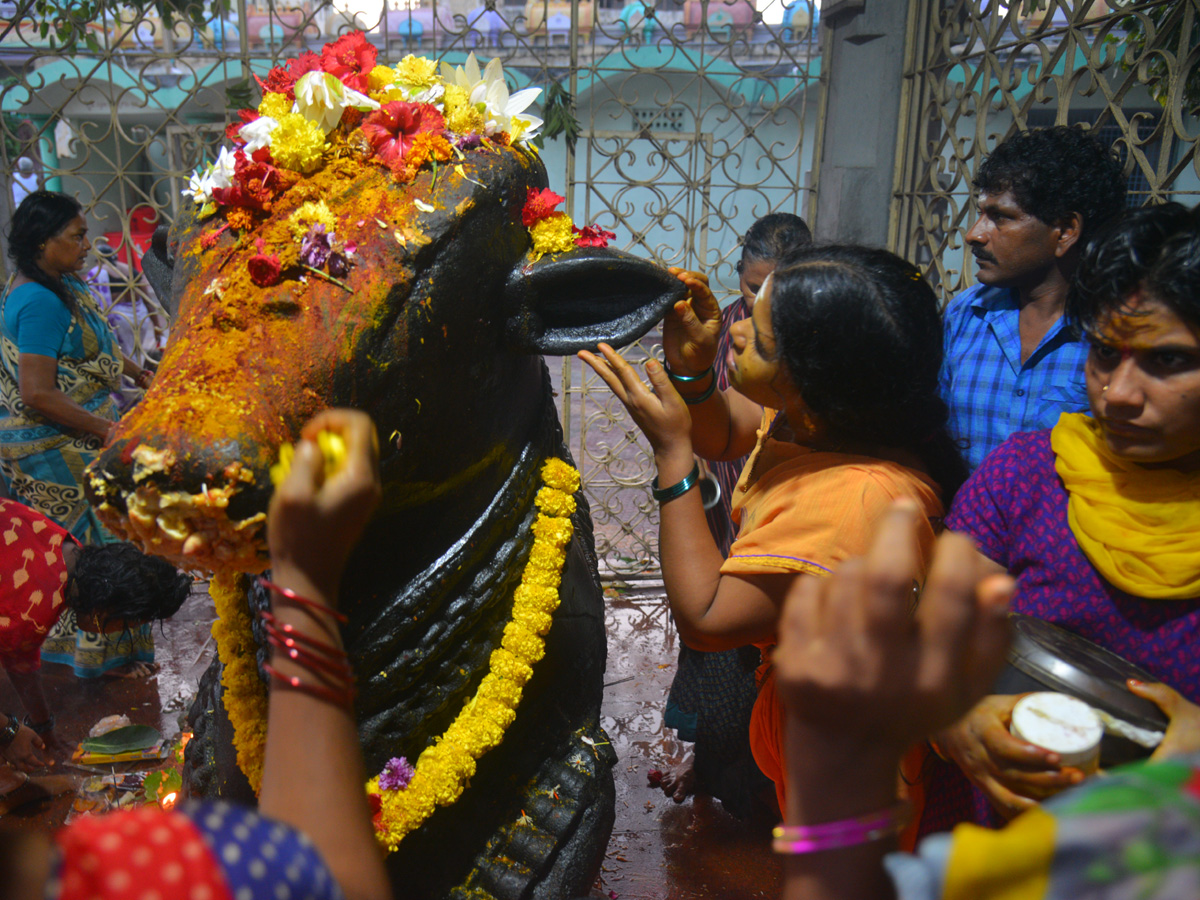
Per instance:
(297,143)
(443,768)
(245,696)
(275,106)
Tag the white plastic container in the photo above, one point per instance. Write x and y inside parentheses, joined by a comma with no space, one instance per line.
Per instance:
(1061,724)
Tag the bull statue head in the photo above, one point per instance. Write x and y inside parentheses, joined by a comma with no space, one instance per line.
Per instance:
(432,324)
(403,257)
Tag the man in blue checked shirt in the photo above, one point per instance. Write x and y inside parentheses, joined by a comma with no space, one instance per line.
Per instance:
(1011,361)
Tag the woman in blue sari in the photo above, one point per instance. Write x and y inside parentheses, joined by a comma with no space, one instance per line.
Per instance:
(59,365)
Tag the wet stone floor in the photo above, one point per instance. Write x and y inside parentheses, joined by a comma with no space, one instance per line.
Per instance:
(659,850)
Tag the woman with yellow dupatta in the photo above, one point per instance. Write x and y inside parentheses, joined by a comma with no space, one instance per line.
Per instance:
(1098,518)
(59,365)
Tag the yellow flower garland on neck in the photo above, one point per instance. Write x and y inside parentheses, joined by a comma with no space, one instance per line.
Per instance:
(443,769)
(245,696)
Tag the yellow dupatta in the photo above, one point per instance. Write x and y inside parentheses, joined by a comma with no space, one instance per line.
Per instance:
(1139,526)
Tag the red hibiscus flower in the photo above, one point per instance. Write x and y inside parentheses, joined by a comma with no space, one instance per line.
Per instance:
(392,128)
(539,205)
(351,58)
(283,81)
(592,236)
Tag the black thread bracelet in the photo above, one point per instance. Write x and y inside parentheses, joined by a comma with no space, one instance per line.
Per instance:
(676,490)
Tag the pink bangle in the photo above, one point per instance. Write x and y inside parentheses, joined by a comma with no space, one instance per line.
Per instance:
(798,839)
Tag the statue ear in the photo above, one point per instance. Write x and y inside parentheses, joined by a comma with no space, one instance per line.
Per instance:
(573,301)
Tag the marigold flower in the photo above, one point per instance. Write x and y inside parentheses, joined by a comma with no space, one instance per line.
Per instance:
(240,218)
(428,147)
(297,144)
(552,235)
(417,72)
(560,475)
(493,687)
(554,502)
(311,212)
(275,106)
(504,664)
(392,128)
(379,78)
(462,116)
(537,621)
(540,205)
(553,529)
(350,58)
(522,643)
(537,596)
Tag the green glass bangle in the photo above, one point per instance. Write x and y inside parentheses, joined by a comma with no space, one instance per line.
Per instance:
(675,490)
(703,395)
(684,379)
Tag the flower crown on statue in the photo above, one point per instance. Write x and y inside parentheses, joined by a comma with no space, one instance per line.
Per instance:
(340,104)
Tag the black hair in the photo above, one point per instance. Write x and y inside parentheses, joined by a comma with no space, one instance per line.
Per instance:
(41,216)
(1155,249)
(1053,172)
(773,237)
(119,582)
(859,332)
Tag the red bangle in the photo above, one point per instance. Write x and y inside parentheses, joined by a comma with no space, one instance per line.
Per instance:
(302,601)
(273,625)
(337,668)
(343,698)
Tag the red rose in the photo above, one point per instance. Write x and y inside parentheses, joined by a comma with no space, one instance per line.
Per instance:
(592,236)
(392,127)
(264,270)
(539,205)
(350,58)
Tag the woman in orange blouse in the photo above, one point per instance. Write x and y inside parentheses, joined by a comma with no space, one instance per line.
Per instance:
(842,351)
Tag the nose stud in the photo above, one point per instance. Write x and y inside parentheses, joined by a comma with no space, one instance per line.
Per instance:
(1103,389)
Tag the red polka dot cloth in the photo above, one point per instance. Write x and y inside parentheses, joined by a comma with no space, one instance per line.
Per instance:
(200,851)
(32,577)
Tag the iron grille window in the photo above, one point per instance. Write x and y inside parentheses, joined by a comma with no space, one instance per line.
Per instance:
(658,118)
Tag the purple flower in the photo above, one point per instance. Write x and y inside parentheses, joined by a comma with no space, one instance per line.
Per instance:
(339,265)
(314,246)
(396,774)
(469,142)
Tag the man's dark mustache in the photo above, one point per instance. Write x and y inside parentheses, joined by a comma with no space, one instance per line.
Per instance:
(982,256)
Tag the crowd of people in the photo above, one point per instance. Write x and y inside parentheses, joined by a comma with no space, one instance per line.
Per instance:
(899,478)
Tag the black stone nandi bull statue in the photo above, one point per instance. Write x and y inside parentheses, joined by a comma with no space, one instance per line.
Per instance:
(436,331)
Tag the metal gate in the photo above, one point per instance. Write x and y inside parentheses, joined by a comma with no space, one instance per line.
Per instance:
(692,122)
(979,70)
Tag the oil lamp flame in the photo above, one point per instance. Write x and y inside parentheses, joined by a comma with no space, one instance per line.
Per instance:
(168,801)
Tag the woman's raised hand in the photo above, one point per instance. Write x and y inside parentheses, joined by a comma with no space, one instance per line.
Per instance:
(692,328)
(314,522)
(657,410)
